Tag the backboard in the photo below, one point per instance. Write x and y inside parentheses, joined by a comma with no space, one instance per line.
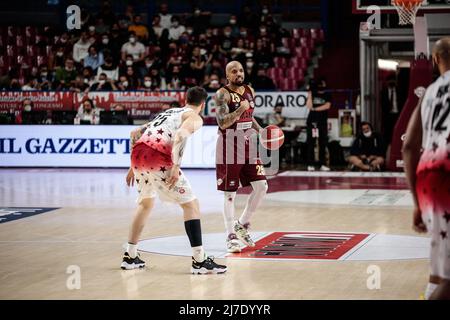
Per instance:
(429,6)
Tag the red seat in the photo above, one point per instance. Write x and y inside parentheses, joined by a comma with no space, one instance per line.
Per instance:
(295,73)
(297,33)
(280,62)
(11,50)
(275,73)
(288,84)
(41,60)
(317,35)
(303,52)
(31,50)
(298,62)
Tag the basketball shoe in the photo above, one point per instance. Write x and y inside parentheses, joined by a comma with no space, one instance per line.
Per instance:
(129,263)
(208,266)
(242,233)
(233,244)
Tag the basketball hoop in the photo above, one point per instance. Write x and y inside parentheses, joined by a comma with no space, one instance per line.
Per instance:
(407,10)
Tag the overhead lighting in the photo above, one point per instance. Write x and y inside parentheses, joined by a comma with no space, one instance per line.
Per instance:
(387,64)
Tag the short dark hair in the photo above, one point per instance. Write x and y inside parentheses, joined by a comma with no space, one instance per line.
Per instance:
(196,96)
(365,123)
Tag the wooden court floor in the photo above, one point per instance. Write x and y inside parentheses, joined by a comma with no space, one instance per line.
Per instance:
(38,253)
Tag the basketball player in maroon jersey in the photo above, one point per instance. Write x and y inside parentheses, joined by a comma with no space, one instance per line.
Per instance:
(428,172)
(235,164)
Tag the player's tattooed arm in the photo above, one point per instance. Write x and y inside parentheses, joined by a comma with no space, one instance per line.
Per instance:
(224,117)
(191,124)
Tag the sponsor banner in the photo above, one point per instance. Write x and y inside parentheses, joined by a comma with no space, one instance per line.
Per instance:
(89,146)
(294,102)
(12,101)
(140,104)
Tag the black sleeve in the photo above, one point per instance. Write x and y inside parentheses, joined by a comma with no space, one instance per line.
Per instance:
(380,150)
(355,149)
(327,97)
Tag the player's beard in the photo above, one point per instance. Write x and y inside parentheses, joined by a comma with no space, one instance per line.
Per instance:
(238,82)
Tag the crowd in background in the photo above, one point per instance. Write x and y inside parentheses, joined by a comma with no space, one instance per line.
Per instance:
(170,52)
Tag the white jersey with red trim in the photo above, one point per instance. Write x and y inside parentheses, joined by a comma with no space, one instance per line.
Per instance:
(161,131)
(435,113)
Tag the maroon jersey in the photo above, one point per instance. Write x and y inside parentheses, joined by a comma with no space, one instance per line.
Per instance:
(246,119)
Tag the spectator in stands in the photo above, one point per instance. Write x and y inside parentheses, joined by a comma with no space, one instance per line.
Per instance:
(139,28)
(94,59)
(91,34)
(147,84)
(88,113)
(123,84)
(165,16)
(199,20)
(45,78)
(101,27)
(58,59)
(198,65)
(105,46)
(262,56)
(234,26)
(249,19)
(150,62)
(25,116)
(249,66)
(116,42)
(176,29)
(133,81)
(134,48)
(156,26)
(81,48)
(238,51)
(175,82)
(158,82)
(318,103)
(276,118)
(88,76)
(129,61)
(368,150)
(262,81)
(103,84)
(215,67)
(107,14)
(214,83)
(64,76)
(79,85)
(226,41)
(31,85)
(110,69)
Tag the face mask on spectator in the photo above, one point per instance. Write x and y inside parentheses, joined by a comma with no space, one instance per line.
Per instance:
(69,68)
(27,107)
(129,63)
(60,54)
(202,52)
(44,74)
(102,82)
(147,84)
(91,28)
(197,12)
(214,82)
(148,64)
(86,80)
(125,84)
(367,134)
(175,24)
(265,11)
(63,40)
(263,30)
(105,40)
(249,64)
(244,33)
(132,39)
(227,33)
(189,31)
(232,21)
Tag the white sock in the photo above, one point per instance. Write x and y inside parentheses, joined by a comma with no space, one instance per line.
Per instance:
(198,253)
(132,249)
(430,289)
(228,211)
(254,200)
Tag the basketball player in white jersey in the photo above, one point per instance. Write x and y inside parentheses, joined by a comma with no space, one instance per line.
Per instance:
(157,150)
(428,173)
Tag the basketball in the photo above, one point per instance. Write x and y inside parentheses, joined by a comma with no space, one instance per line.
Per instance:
(272,137)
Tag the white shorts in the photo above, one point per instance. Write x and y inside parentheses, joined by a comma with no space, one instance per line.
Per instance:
(151,183)
(433,188)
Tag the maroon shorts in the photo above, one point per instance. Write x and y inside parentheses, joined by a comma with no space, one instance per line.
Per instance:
(230,175)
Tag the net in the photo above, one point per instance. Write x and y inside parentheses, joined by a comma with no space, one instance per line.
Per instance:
(407,10)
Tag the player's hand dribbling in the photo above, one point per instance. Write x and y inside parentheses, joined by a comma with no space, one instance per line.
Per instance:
(130,177)
(418,224)
(174,175)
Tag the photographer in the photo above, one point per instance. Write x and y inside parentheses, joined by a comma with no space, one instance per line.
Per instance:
(318,103)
